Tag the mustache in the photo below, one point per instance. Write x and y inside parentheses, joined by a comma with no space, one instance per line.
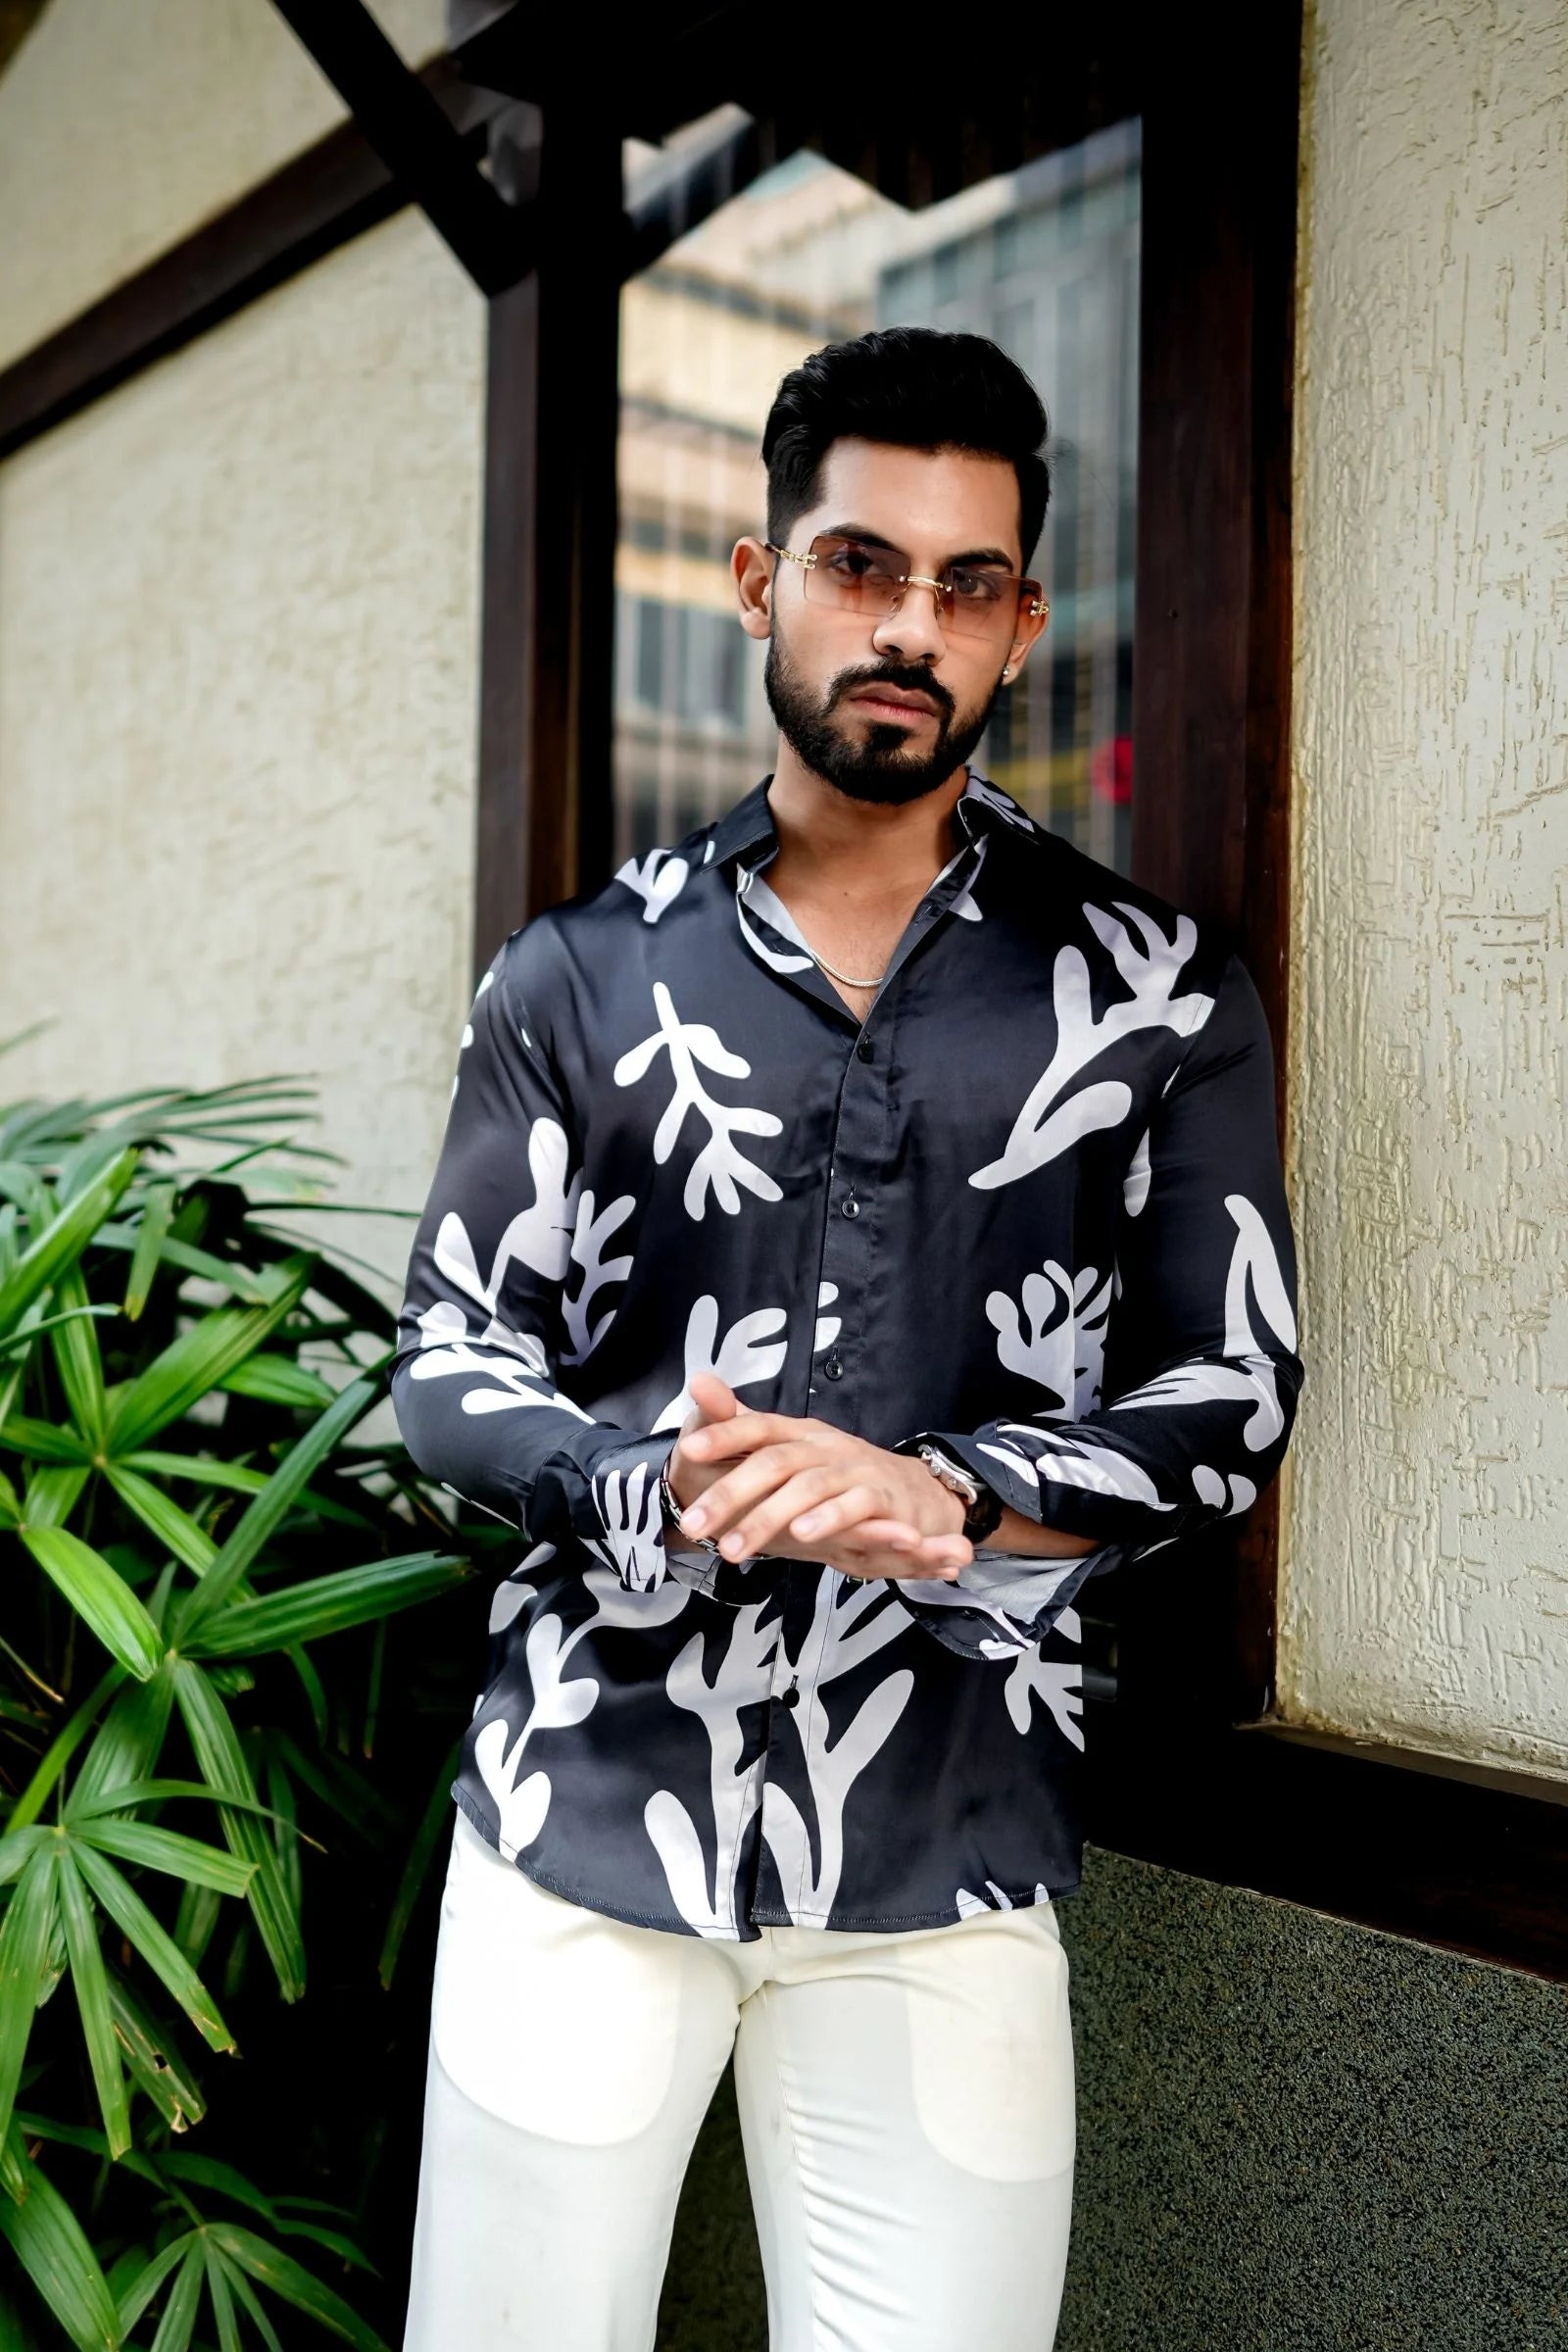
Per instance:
(905,674)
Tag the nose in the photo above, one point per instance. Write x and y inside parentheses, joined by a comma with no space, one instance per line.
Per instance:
(911,629)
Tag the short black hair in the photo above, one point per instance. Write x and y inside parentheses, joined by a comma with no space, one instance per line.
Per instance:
(917,388)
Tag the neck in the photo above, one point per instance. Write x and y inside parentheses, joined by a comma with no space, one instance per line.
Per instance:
(829,842)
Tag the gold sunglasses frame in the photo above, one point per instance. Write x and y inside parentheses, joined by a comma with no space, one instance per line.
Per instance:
(1038,609)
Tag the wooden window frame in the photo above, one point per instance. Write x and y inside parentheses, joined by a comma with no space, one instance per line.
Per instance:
(1189,1767)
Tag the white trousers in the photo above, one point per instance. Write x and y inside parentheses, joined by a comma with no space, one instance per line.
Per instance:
(906,2106)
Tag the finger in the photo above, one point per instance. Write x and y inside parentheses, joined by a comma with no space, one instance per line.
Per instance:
(923,1556)
(713,1402)
(729,1497)
(840,1511)
(745,1432)
(764,1523)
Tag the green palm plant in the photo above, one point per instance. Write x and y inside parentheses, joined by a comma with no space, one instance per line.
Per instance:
(183,1466)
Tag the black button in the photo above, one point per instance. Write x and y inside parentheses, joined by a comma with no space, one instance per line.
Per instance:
(791,1697)
(865,1050)
(849,1206)
(833,1368)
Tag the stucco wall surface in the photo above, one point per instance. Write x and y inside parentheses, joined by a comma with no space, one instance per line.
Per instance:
(238,681)
(1425,1585)
(125,123)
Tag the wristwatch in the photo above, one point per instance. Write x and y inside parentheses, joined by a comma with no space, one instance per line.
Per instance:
(983,1505)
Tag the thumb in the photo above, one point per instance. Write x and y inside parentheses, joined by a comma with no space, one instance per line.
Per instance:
(712,1399)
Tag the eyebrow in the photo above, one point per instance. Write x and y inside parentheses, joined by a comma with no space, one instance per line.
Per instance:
(973,555)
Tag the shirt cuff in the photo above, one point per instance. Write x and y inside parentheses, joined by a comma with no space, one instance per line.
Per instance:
(1003,1603)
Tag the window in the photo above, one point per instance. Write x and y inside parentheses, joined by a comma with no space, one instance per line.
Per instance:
(1045,261)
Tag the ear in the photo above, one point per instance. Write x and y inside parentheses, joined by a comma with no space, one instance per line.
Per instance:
(1031,626)
(752,569)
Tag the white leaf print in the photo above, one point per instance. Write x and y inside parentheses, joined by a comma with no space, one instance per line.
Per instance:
(558,1706)
(540,1235)
(734,1789)
(1059,1339)
(1058,1682)
(828,1327)
(1048,1124)
(719,1164)
(748,1353)
(842,1637)
(964,904)
(778,959)
(968,1905)
(656,879)
(1246,1376)
(517,1384)
(587,1251)
(1136,1182)
(633,1517)
(1078,1463)
(977,789)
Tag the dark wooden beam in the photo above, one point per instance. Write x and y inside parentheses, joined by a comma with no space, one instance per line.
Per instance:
(402,122)
(1211,672)
(332,192)
(545,809)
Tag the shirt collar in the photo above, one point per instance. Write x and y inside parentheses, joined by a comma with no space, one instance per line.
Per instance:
(747,832)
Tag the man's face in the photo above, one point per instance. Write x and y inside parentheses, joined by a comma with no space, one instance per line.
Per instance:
(888,706)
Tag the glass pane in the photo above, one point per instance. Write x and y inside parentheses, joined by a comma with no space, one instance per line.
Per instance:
(1045,261)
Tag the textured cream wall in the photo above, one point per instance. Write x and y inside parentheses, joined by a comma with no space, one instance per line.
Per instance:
(238,678)
(1425,1592)
(124,123)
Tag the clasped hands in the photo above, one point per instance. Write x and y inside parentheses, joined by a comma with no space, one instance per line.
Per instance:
(806,1490)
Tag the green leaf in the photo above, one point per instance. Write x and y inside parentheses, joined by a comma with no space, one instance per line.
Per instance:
(63,1239)
(327,1604)
(157,1947)
(156,2068)
(42,1441)
(76,1358)
(52,1495)
(130,1741)
(36,1324)
(271,1507)
(144,2287)
(90,1979)
(49,2242)
(278,1380)
(432,1821)
(103,1601)
(178,2323)
(61,1749)
(251,2302)
(210,2172)
(24,1939)
(192,1365)
(221,2300)
(14,1848)
(222,1762)
(10,1503)
(174,1529)
(199,1468)
(143,1793)
(152,1231)
(281,2276)
(155,1848)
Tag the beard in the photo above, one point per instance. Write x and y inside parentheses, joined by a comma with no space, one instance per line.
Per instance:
(882,768)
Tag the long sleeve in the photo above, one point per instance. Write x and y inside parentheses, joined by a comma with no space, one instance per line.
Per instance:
(475,1382)
(1200,1373)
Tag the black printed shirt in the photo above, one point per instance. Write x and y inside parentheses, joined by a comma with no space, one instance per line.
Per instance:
(1031,1207)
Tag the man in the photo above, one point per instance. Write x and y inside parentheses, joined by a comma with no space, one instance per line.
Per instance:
(858,1225)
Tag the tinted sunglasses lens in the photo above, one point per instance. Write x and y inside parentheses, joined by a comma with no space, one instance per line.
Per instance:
(855,578)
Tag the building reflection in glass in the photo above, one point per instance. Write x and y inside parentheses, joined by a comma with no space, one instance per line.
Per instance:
(1044,260)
